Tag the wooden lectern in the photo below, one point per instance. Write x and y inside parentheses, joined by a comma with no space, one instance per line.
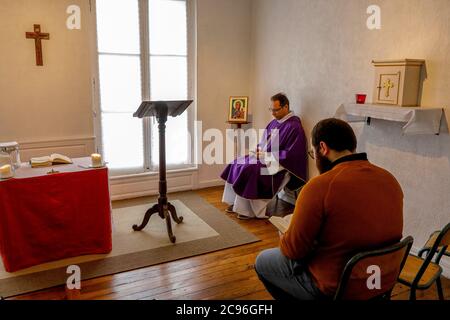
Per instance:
(161,110)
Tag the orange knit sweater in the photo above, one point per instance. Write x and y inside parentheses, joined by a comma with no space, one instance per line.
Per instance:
(356,206)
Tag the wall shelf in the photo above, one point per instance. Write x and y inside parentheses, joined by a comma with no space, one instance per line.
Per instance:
(419,120)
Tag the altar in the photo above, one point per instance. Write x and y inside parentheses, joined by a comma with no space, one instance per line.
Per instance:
(52,213)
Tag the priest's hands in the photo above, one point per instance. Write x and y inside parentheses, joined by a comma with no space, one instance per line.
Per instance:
(258,153)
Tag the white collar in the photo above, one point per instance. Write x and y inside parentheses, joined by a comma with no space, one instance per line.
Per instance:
(286,117)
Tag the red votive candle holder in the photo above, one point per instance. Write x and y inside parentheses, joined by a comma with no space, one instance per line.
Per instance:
(361,98)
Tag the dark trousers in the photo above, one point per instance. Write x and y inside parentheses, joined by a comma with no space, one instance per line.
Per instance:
(286,279)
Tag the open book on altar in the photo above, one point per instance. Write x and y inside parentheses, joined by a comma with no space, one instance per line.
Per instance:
(50,160)
(282,224)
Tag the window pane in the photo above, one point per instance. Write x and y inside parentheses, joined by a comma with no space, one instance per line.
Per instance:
(123,140)
(168,27)
(177,141)
(120,83)
(118,26)
(168,78)
(121,80)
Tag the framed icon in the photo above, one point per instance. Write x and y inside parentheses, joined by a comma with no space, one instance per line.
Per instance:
(238,110)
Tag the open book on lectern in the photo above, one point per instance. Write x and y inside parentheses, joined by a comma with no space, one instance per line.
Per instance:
(158,108)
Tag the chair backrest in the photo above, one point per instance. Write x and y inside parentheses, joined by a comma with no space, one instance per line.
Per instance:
(443,239)
(359,274)
(439,246)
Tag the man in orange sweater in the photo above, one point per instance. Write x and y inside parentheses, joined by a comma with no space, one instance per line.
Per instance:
(352,206)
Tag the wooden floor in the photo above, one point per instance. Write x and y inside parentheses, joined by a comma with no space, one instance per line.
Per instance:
(226,274)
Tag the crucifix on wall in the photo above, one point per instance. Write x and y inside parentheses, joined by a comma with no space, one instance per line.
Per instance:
(38,36)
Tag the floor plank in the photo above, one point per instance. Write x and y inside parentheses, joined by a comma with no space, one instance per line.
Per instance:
(225,274)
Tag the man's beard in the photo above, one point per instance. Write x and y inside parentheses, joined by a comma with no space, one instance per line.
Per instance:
(322,163)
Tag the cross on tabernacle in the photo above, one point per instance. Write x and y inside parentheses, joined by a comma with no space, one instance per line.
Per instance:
(38,36)
(388,85)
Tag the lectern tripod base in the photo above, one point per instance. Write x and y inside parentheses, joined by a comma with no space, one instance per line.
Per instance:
(165,212)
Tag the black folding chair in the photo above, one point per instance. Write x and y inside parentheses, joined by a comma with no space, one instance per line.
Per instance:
(389,260)
(420,273)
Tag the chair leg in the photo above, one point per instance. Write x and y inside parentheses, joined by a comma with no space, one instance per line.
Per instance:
(412,294)
(439,289)
(387,295)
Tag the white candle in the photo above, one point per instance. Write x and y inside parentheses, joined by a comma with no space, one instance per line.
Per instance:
(96,160)
(6,172)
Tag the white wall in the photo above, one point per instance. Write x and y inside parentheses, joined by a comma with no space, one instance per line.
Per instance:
(223,51)
(319,52)
(53,101)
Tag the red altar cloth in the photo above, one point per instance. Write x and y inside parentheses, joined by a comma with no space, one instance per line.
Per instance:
(52,217)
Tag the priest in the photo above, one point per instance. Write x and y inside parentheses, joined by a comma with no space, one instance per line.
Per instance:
(251,182)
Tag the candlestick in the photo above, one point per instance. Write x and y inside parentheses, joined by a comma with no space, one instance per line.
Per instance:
(6,172)
(96,160)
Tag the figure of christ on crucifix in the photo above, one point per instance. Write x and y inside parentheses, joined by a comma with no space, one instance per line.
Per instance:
(38,36)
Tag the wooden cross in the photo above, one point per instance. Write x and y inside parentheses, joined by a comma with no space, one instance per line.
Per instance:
(388,85)
(38,36)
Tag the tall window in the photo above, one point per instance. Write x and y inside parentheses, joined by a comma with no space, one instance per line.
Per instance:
(143,54)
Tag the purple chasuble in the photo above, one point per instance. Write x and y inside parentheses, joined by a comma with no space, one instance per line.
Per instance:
(245,176)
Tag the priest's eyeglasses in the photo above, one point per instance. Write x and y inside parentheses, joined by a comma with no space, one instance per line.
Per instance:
(311,154)
(275,110)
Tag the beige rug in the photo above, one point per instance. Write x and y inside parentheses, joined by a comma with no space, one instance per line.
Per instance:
(204,229)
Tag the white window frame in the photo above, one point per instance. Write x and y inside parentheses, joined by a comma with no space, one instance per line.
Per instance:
(145,87)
